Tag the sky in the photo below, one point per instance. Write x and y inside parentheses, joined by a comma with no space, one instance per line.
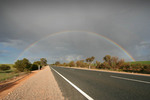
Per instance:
(23,22)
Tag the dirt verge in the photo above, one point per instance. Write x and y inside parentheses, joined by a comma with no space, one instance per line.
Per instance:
(8,86)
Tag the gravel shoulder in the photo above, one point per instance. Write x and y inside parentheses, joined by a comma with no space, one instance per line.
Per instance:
(11,84)
(41,86)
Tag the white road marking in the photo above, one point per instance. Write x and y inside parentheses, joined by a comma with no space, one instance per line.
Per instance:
(130,79)
(83,93)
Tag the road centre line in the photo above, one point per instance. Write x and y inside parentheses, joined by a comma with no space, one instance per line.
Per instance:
(130,79)
(83,93)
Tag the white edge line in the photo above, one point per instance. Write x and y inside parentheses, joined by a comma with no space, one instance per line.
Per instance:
(83,93)
(130,79)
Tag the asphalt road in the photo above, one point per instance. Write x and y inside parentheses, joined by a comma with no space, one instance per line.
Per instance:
(102,85)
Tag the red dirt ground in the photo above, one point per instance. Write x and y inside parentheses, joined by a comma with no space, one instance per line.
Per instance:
(9,86)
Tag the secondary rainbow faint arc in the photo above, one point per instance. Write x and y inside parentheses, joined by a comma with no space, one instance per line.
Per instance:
(104,37)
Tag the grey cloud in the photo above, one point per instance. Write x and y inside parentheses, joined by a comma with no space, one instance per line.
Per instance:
(74,46)
(124,21)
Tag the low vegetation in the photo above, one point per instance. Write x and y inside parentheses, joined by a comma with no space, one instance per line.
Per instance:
(110,63)
(4,67)
(26,65)
(9,73)
(140,62)
(20,67)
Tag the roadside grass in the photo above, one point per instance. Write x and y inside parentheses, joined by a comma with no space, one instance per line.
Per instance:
(7,75)
(140,62)
(4,75)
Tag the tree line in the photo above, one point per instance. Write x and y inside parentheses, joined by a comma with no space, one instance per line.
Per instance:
(109,63)
(25,65)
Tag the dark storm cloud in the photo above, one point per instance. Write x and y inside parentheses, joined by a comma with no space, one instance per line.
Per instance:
(124,21)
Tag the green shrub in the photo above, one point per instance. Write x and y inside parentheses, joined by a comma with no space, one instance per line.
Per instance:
(22,65)
(71,64)
(57,63)
(81,63)
(125,67)
(146,69)
(4,67)
(34,67)
(105,65)
(98,64)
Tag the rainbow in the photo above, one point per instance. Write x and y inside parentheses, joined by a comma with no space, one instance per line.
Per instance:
(104,37)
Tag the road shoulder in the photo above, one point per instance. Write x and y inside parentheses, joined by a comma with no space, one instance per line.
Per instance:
(41,86)
(9,86)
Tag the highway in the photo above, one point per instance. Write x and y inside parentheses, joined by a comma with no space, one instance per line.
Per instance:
(99,85)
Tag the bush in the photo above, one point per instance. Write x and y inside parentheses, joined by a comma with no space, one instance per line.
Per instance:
(105,65)
(98,64)
(4,67)
(57,63)
(81,63)
(146,69)
(71,64)
(22,65)
(125,67)
(43,61)
(34,67)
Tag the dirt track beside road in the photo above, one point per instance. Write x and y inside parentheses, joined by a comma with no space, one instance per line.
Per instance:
(41,86)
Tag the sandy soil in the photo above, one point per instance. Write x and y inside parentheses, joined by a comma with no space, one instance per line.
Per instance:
(10,85)
(40,86)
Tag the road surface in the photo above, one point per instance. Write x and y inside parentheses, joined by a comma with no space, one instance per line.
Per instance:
(100,85)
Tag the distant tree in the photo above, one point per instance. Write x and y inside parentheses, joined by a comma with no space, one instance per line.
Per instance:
(18,65)
(98,64)
(114,62)
(26,63)
(120,63)
(43,61)
(4,67)
(107,59)
(34,67)
(80,63)
(37,63)
(125,67)
(22,65)
(57,63)
(71,64)
(64,64)
(105,65)
(90,60)
(146,68)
